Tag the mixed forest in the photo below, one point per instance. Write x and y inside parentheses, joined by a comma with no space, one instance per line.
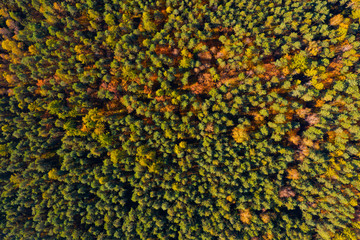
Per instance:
(191,119)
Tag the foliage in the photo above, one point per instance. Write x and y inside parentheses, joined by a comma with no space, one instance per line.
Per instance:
(184,119)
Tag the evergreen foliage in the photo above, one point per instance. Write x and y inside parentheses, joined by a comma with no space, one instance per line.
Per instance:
(167,119)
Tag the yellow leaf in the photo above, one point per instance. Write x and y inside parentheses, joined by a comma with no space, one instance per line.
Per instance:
(240,135)
(245,216)
(293,174)
(336,20)
(353,202)
(53,174)
(169,9)
(311,72)
(265,217)
(102,180)
(230,199)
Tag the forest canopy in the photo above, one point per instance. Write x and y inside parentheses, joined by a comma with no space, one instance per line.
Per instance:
(191,119)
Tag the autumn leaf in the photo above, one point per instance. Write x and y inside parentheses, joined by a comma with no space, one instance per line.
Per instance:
(336,20)
(245,216)
(240,135)
(293,174)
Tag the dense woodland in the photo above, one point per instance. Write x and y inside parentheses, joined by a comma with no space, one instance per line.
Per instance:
(191,119)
